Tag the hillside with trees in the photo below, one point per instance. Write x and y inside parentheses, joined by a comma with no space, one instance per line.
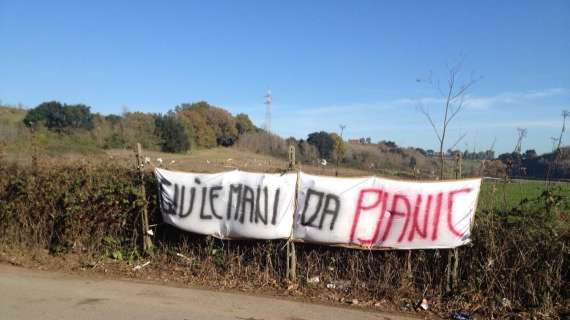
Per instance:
(55,128)
(188,126)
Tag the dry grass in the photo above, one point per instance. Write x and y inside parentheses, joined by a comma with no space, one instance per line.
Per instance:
(224,159)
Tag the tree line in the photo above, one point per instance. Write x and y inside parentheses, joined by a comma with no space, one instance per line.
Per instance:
(200,125)
(187,126)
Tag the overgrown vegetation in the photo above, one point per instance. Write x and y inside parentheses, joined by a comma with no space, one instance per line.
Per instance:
(518,262)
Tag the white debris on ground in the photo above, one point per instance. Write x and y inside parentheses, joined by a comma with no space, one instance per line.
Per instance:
(185,258)
(425,304)
(140,266)
(314,280)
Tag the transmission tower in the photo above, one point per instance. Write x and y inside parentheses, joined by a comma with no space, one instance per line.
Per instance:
(268,101)
(342,127)
(522,135)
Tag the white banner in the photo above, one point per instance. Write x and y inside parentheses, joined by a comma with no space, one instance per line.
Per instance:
(365,212)
(381,213)
(230,204)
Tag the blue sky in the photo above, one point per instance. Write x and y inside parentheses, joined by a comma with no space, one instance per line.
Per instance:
(326,62)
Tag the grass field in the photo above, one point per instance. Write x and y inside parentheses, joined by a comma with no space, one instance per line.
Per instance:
(504,196)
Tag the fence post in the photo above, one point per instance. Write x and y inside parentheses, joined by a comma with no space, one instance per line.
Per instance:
(147,241)
(448,272)
(291,271)
(460,165)
(409,277)
(453,273)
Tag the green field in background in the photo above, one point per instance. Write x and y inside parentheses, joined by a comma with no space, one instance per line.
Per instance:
(504,196)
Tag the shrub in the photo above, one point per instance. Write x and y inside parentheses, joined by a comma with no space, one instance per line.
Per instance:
(324,143)
(58,117)
(244,124)
(173,134)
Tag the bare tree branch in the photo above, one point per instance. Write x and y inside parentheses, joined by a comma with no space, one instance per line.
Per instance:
(456,111)
(430,120)
(458,140)
(454,102)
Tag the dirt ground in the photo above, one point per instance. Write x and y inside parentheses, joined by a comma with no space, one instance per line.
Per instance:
(72,287)
(61,296)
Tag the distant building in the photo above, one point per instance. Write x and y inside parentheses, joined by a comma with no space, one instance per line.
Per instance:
(354,141)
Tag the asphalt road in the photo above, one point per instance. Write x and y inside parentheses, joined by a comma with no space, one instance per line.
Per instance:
(30,294)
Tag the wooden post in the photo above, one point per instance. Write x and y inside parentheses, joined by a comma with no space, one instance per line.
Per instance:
(291,165)
(409,275)
(460,165)
(453,272)
(291,271)
(448,273)
(457,169)
(288,262)
(147,241)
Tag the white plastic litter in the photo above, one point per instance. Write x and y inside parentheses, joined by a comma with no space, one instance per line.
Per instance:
(140,266)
